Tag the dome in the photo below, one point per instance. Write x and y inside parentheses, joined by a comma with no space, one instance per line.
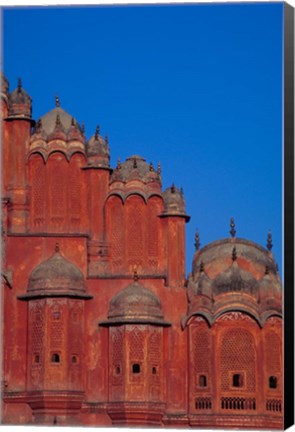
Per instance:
(56,275)
(235,279)
(20,103)
(174,204)
(98,151)
(136,168)
(135,304)
(241,275)
(58,124)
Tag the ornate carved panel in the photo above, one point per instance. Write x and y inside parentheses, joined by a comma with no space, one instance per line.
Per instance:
(135,226)
(57,167)
(75,191)
(37,175)
(238,356)
(115,231)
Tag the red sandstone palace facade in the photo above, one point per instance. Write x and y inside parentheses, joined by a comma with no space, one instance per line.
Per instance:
(100,325)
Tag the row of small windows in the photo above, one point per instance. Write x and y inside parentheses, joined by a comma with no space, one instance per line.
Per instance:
(136,369)
(55,358)
(238,381)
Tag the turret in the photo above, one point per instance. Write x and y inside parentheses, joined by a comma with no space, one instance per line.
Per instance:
(16,144)
(174,219)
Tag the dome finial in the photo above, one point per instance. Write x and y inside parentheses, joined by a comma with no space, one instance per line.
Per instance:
(83,128)
(197,240)
(173,188)
(234,254)
(57,103)
(159,168)
(119,163)
(106,138)
(202,268)
(269,241)
(57,247)
(97,130)
(19,85)
(151,167)
(232,226)
(134,163)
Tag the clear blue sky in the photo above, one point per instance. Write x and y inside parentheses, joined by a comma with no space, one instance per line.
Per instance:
(196,87)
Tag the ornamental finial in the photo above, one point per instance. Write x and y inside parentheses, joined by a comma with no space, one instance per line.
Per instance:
(57,103)
(73,121)
(197,240)
(97,132)
(269,241)
(202,267)
(159,168)
(151,167)
(134,163)
(173,188)
(232,226)
(83,128)
(234,254)
(119,163)
(19,85)
(57,120)
(106,138)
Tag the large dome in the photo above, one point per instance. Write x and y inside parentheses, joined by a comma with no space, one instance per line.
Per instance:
(234,274)
(136,168)
(135,304)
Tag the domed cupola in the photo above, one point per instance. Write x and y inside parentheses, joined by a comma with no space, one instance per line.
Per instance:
(98,151)
(174,204)
(56,277)
(241,274)
(20,103)
(136,168)
(235,279)
(135,304)
(57,124)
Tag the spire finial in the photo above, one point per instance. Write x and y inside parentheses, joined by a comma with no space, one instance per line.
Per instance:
(197,240)
(119,163)
(159,168)
(19,85)
(97,132)
(83,128)
(232,226)
(106,138)
(151,167)
(73,121)
(57,103)
(234,254)
(56,247)
(202,268)
(173,188)
(269,241)
(134,163)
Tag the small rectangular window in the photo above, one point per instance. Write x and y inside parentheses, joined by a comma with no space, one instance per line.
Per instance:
(237,380)
(136,368)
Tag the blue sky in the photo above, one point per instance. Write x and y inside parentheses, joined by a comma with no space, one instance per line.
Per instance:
(196,87)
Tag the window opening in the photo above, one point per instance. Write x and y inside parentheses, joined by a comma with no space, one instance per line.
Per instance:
(202,381)
(118,370)
(273,382)
(136,368)
(55,358)
(154,370)
(237,380)
(37,358)
(74,359)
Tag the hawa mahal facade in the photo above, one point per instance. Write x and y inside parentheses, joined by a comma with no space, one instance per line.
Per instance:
(100,326)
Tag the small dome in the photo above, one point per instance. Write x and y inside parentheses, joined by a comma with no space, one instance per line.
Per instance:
(135,304)
(174,202)
(202,285)
(98,151)
(20,103)
(48,121)
(56,275)
(235,279)
(136,168)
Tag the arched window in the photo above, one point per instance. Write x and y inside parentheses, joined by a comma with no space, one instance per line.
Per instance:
(202,381)
(55,358)
(273,382)
(136,368)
